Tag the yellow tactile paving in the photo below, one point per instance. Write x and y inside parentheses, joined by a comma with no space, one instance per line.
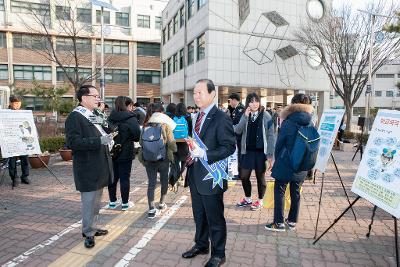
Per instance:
(80,256)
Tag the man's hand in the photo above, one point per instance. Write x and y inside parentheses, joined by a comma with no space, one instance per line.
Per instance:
(198,153)
(106,139)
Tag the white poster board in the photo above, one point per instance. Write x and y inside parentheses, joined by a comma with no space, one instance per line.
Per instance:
(328,128)
(18,134)
(378,176)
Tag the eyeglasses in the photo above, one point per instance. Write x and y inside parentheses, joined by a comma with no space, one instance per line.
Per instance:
(95,96)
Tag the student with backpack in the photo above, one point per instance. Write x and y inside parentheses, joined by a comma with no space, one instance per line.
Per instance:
(123,120)
(257,146)
(157,151)
(295,153)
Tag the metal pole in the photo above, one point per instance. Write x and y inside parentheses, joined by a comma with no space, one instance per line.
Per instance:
(102,93)
(185,55)
(369,94)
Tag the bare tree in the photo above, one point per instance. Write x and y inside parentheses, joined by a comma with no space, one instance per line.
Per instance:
(342,40)
(61,35)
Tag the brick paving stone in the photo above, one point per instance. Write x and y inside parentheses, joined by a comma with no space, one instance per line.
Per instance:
(52,208)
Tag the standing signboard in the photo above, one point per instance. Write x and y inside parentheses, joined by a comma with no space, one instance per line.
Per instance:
(18,134)
(328,128)
(378,176)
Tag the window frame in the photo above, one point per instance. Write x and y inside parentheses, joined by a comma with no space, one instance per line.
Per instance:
(3,40)
(63,12)
(117,76)
(143,21)
(378,93)
(201,3)
(182,16)
(201,53)
(3,70)
(175,62)
(81,71)
(148,49)
(157,23)
(190,8)
(84,15)
(121,18)
(148,76)
(113,47)
(33,71)
(2,5)
(106,14)
(169,69)
(190,53)
(389,94)
(181,58)
(176,23)
(83,45)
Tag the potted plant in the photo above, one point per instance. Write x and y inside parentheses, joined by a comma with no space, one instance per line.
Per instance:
(65,153)
(36,160)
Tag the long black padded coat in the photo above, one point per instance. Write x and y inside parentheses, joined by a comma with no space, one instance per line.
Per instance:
(92,164)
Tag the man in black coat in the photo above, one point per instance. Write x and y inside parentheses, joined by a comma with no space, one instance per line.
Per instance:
(215,130)
(92,165)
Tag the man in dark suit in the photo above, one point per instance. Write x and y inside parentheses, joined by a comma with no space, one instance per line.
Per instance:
(92,164)
(215,129)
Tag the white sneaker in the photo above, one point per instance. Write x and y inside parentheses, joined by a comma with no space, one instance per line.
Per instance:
(127,206)
(162,206)
(153,213)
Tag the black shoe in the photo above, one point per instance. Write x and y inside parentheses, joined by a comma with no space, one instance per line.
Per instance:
(215,262)
(25,180)
(14,182)
(99,232)
(89,242)
(194,251)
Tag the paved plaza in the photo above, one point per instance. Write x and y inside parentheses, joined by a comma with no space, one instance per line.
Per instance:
(40,226)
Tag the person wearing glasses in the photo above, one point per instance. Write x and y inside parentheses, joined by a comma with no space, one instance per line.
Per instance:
(92,164)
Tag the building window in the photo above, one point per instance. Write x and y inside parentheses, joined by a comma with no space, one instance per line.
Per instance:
(182,16)
(36,42)
(83,73)
(84,15)
(181,58)
(28,7)
(33,103)
(143,21)
(163,35)
(63,12)
(170,30)
(148,49)
(358,111)
(176,23)
(385,76)
(201,47)
(378,93)
(175,62)
(1,5)
(190,5)
(113,47)
(164,69)
(39,73)
(143,100)
(190,53)
(122,19)
(389,94)
(116,76)
(66,44)
(3,40)
(169,66)
(148,76)
(158,23)
(106,15)
(201,3)
(3,72)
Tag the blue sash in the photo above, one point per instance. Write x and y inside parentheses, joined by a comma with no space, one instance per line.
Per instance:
(216,171)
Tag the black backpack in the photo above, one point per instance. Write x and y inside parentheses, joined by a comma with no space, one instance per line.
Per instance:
(153,146)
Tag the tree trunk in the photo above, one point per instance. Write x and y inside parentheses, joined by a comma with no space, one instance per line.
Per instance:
(348,112)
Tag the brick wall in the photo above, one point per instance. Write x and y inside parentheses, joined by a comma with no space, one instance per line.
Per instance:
(148,90)
(4,82)
(3,55)
(114,61)
(84,59)
(29,84)
(149,63)
(27,56)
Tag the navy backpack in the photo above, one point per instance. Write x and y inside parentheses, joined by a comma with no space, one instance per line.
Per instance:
(305,149)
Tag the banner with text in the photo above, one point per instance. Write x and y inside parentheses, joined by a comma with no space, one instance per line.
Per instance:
(18,134)
(328,128)
(378,176)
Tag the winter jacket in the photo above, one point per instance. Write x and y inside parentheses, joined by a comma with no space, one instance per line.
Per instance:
(167,127)
(293,117)
(128,132)
(267,130)
(91,162)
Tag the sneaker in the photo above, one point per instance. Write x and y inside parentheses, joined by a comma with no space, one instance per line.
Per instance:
(112,205)
(291,225)
(244,203)
(153,213)
(161,206)
(127,206)
(256,205)
(181,181)
(276,227)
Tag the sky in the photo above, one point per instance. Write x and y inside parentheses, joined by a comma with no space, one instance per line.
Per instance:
(356,4)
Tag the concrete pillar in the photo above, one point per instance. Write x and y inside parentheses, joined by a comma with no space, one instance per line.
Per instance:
(94,59)
(323,102)
(134,71)
(263,101)
(189,97)
(175,98)
(10,58)
(216,96)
